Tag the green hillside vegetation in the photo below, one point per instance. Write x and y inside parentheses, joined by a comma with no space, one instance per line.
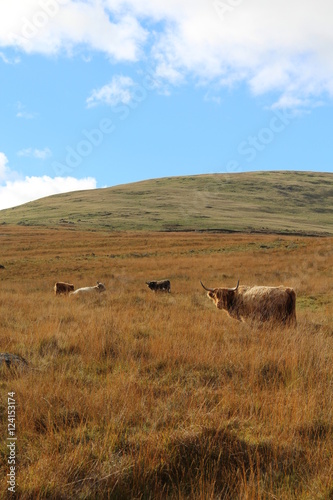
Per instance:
(278,202)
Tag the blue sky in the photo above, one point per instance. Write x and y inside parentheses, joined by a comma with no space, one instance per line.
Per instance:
(104,92)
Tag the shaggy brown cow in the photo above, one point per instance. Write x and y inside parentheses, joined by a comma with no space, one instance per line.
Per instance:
(159,286)
(61,287)
(256,303)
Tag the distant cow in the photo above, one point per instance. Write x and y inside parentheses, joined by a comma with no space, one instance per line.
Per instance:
(89,289)
(256,303)
(159,286)
(2,267)
(61,287)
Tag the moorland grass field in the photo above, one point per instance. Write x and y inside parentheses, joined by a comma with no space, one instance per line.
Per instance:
(132,394)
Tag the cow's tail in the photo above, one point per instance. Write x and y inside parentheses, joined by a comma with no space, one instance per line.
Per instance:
(291,307)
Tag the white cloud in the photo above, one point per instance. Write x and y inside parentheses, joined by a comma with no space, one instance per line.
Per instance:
(51,26)
(119,90)
(16,191)
(273,46)
(23,113)
(3,166)
(8,60)
(281,46)
(39,154)
(26,115)
(211,97)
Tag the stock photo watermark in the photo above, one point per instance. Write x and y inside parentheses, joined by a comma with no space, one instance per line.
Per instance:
(223,8)
(93,138)
(11,442)
(253,145)
(48,9)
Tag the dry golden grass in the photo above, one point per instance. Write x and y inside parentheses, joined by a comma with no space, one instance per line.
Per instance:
(132,394)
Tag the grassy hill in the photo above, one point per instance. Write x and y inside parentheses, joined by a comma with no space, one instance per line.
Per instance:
(279,202)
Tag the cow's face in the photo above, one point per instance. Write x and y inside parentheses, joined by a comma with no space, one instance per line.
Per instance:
(222,297)
(101,287)
(217,296)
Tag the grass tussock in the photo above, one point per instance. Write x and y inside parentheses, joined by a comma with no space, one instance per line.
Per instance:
(132,394)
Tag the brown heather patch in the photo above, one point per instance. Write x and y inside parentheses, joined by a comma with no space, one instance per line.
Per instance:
(133,394)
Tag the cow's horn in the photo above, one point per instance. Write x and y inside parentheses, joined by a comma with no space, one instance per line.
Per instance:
(208,289)
(234,289)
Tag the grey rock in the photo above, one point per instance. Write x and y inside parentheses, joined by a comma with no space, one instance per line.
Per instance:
(12,361)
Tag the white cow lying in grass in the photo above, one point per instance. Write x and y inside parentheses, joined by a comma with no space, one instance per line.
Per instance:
(89,289)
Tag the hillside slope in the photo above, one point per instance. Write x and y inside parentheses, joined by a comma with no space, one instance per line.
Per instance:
(286,202)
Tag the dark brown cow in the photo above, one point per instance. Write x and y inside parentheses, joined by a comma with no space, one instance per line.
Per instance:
(159,286)
(61,287)
(256,303)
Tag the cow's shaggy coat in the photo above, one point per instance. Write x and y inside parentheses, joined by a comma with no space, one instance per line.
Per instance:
(89,289)
(159,286)
(61,287)
(256,303)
